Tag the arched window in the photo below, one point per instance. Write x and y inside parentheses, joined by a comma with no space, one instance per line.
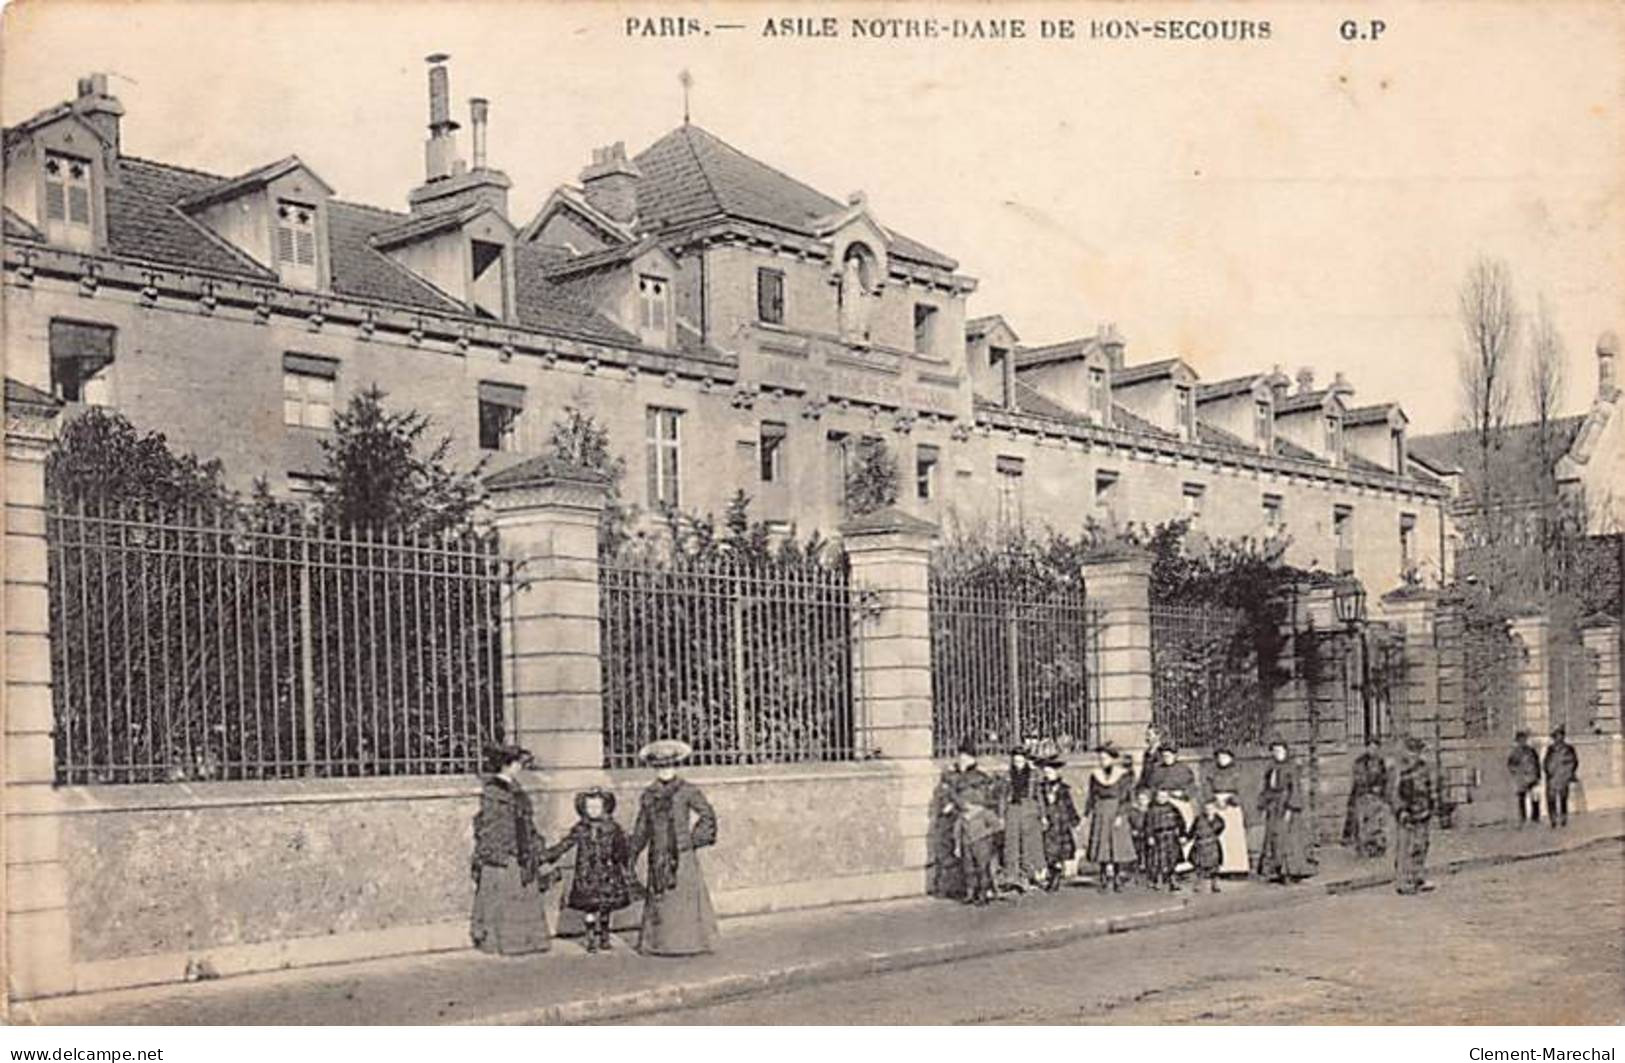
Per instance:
(859,278)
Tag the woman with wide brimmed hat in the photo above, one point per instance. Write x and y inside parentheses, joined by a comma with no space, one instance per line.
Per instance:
(1111,844)
(510,917)
(674,822)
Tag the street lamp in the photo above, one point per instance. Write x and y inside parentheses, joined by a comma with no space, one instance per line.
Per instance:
(1348,598)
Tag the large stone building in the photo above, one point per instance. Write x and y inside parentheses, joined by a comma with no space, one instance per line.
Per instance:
(732,327)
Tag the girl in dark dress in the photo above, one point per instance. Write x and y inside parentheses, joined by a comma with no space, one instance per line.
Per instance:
(1110,846)
(510,917)
(1207,855)
(1138,818)
(1165,838)
(1060,820)
(600,884)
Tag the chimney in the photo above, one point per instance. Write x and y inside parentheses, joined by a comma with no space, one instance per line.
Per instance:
(1111,342)
(611,183)
(99,108)
(1279,383)
(1341,387)
(1607,366)
(1306,380)
(440,152)
(479,109)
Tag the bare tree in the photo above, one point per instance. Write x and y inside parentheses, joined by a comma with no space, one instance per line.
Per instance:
(1489,321)
(1543,381)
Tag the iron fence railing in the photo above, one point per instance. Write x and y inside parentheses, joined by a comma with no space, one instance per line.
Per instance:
(1009,664)
(1575,696)
(192,648)
(1205,685)
(748,662)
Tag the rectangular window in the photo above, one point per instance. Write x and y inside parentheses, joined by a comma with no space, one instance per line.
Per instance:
(502,408)
(81,361)
(770,296)
(1264,425)
(925,328)
(67,189)
(488,290)
(1396,440)
(770,450)
(1010,470)
(663,440)
(1185,410)
(1274,513)
(654,299)
(1193,495)
(1407,542)
(926,459)
(296,243)
(996,357)
(1105,487)
(1343,533)
(1097,394)
(307,390)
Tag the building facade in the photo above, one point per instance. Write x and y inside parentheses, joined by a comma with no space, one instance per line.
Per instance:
(733,328)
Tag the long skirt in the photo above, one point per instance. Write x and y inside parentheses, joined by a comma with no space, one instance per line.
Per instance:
(1286,848)
(510,918)
(1023,842)
(1410,856)
(1233,842)
(1365,829)
(680,921)
(1110,840)
(947,878)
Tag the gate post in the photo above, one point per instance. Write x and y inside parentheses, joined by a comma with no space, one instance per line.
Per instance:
(547,523)
(1415,612)
(1118,584)
(1534,688)
(35,930)
(1600,635)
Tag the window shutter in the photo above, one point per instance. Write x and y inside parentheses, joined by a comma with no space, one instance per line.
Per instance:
(306,247)
(79,205)
(284,244)
(496,393)
(56,204)
(310,365)
(80,339)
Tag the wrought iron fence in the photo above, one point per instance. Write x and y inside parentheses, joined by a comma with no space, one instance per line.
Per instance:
(1011,663)
(188,648)
(1490,660)
(1575,696)
(1205,686)
(748,662)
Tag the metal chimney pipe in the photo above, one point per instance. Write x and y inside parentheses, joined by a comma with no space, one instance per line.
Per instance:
(439,93)
(479,110)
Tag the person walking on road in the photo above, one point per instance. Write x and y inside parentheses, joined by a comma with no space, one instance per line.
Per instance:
(1413,811)
(1523,764)
(674,822)
(1562,764)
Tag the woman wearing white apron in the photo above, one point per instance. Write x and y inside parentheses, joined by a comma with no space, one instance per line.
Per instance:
(1224,786)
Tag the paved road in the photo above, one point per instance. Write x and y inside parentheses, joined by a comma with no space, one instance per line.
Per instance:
(1541,942)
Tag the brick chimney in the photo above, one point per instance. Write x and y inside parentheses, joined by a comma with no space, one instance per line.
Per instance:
(100,108)
(1607,366)
(1306,380)
(1279,383)
(1341,387)
(611,183)
(1111,342)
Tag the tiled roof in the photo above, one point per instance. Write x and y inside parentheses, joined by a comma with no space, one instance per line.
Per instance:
(1362,415)
(609,256)
(360,270)
(18,392)
(1302,400)
(144,223)
(1068,351)
(1288,449)
(981,326)
(1135,374)
(1224,389)
(17,228)
(1518,445)
(411,227)
(1030,400)
(545,305)
(1214,436)
(690,175)
(1129,421)
(259,175)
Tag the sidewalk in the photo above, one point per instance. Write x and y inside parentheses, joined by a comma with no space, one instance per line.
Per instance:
(759,954)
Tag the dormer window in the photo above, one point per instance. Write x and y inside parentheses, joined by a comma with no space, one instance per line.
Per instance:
(654,307)
(1334,438)
(1185,410)
(489,290)
(1396,441)
(1264,425)
(296,244)
(1097,394)
(67,200)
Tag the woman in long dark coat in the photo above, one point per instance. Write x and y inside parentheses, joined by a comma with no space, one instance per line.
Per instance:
(1285,856)
(1365,827)
(510,917)
(675,821)
(1110,846)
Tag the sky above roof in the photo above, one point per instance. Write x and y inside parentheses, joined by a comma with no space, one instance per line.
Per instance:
(1304,201)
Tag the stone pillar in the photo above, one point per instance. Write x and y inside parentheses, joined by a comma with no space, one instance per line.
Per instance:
(1600,636)
(1534,693)
(890,554)
(1118,584)
(34,926)
(547,522)
(1416,697)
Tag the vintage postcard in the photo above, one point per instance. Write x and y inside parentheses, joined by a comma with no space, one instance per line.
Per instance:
(814,513)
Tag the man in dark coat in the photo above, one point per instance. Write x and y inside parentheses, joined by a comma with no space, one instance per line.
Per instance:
(1562,764)
(1523,764)
(962,843)
(1413,811)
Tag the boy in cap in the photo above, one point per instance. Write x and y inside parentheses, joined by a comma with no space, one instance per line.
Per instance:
(1413,809)
(1562,764)
(1523,764)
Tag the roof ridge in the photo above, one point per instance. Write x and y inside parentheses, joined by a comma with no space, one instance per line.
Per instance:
(172,166)
(705,175)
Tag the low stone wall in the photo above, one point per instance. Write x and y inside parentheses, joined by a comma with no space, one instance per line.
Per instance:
(258,876)
(1601,781)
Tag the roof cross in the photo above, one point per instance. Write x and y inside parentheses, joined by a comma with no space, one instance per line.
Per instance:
(687,81)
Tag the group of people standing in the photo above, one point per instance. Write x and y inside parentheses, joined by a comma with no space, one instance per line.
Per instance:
(1405,795)
(1019,830)
(514,867)
(1558,769)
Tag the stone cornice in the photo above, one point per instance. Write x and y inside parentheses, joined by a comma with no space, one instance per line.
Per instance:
(1200,453)
(753,234)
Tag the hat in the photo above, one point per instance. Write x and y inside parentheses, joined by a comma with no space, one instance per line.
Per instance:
(607,796)
(1168,749)
(1052,762)
(967,746)
(1108,749)
(1225,751)
(665,752)
(1415,744)
(1560,731)
(499,755)
(1022,751)
(1277,740)
(1521,736)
